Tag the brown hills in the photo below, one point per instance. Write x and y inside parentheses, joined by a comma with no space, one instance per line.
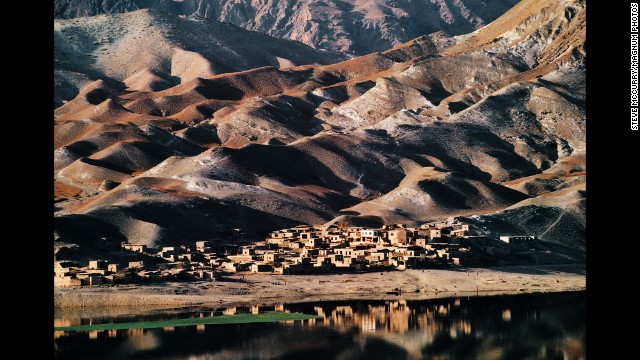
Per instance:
(149,50)
(437,127)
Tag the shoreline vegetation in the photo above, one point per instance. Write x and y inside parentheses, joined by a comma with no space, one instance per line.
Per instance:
(412,284)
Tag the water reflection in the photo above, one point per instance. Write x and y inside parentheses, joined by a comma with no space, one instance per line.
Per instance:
(537,326)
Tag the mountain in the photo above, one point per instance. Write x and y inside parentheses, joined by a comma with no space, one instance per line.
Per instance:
(355,27)
(149,51)
(488,125)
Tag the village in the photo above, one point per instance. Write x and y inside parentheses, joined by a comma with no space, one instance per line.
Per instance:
(303,249)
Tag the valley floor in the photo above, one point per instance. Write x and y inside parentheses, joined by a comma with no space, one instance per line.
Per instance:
(276,289)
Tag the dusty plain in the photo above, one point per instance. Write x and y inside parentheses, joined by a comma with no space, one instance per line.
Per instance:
(260,289)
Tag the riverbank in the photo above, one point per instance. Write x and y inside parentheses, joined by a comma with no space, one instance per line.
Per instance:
(269,289)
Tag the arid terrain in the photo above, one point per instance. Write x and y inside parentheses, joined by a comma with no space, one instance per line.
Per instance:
(353,27)
(152,51)
(182,127)
(268,289)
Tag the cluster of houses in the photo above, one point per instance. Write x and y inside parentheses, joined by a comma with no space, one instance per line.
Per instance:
(302,249)
(146,265)
(311,249)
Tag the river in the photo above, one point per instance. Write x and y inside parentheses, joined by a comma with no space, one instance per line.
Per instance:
(528,326)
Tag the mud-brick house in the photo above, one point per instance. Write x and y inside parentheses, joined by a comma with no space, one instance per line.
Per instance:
(206,274)
(336,238)
(378,256)
(261,268)
(89,279)
(204,246)
(187,257)
(289,268)
(369,234)
(422,242)
(343,251)
(310,252)
(397,236)
(341,261)
(135,248)
(136,264)
(248,251)
(429,233)
(397,261)
(272,257)
(66,281)
(98,264)
(229,266)
(114,268)
(413,251)
(310,240)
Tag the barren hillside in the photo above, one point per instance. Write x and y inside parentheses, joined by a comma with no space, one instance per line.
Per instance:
(355,27)
(488,125)
(149,50)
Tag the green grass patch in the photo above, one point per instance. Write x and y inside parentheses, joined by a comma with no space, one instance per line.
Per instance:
(209,320)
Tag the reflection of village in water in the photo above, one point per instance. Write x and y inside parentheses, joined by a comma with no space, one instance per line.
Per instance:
(525,326)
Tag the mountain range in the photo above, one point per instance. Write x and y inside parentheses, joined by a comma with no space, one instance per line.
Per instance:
(170,139)
(354,27)
(150,50)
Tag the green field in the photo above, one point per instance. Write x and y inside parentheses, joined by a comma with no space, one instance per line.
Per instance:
(212,320)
